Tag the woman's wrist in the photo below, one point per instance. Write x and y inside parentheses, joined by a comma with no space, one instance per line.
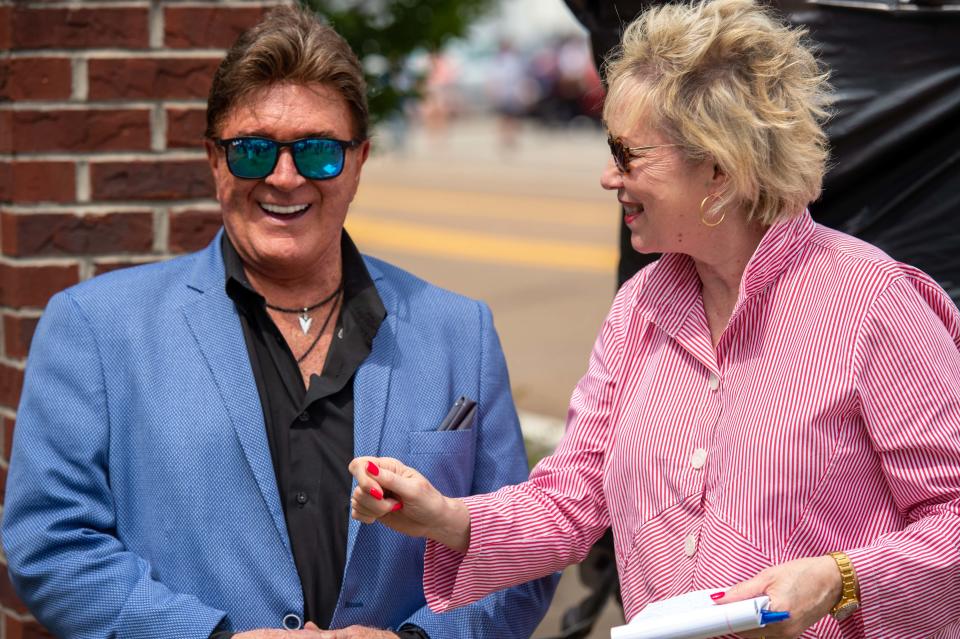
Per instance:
(454,531)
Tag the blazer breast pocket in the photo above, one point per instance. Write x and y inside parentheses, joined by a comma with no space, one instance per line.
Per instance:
(446,458)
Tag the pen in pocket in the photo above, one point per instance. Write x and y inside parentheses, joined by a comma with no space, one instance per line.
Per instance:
(460,416)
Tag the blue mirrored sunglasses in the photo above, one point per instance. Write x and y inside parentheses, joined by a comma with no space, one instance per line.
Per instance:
(254,158)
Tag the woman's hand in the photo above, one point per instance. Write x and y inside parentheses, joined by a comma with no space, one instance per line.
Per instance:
(404,500)
(807,588)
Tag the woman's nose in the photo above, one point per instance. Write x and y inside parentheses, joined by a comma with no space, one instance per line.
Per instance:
(611,178)
(285,174)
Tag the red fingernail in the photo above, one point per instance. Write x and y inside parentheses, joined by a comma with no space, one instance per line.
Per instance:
(717,595)
(372,469)
(376,493)
(397,506)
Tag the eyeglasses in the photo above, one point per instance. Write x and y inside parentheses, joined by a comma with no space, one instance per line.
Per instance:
(253,158)
(623,155)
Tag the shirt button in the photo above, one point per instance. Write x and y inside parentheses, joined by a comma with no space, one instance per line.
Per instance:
(714,382)
(698,458)
(690,545)
(292,621)
(304,416)
(302,498)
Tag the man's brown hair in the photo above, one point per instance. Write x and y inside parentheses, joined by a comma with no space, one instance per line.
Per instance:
(292,45)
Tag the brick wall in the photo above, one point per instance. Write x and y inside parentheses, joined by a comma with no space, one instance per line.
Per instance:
(101,165)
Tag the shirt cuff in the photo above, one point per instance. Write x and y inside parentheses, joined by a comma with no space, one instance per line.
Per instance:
(410,631)
(221,632)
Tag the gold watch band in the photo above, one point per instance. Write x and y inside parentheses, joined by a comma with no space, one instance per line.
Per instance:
(849,595)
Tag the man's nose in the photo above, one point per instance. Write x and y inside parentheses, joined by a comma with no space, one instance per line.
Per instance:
(285,174)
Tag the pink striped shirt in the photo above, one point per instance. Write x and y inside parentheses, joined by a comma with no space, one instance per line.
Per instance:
(827,418)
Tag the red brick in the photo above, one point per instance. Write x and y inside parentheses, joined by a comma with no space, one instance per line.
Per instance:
(146,78)
(8,425)
(106,266)
(17,333)
(32,286)
(75,28)
(35,79)
(24,629)
(6,131)
(24,182)
(5,19)
(207,27)
(64,234)
(185,128)
(81,130)
(152,180)
(193,230)
(11,383)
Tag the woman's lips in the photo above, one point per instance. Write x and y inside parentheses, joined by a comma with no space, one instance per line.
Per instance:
(631,211)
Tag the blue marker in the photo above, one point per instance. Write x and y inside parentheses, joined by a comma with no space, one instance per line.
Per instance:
(773,616)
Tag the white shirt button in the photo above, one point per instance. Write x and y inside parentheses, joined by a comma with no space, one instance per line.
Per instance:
(698,458)
(690,545)
(714,382)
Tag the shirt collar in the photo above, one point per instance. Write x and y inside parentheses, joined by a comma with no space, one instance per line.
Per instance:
(359,292)
(672,288)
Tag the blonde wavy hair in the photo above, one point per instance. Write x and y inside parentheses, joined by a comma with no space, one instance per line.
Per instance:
(726,80)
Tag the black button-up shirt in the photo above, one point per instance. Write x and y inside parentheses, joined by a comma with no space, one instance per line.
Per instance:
(310,430)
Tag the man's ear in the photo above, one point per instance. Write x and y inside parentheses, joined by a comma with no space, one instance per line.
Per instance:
(364,151)
(213,157)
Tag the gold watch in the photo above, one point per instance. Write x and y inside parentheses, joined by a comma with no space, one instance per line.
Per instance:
(849,602)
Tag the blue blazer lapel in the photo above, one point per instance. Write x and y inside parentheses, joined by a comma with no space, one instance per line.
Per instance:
(372,385)
(215,325)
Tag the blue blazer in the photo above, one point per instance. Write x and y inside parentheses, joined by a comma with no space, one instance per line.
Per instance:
(141,499)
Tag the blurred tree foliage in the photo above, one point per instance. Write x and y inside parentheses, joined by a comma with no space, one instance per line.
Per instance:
(385,32)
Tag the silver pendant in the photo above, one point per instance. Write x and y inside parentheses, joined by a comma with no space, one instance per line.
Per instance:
(305,322)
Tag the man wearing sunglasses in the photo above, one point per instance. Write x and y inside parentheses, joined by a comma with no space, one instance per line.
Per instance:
(180,464)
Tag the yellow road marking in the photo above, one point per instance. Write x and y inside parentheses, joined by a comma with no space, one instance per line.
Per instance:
(554,210)
(480,247)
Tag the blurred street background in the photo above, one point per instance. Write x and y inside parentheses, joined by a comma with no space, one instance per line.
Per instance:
(529,231)
(489,186)
(487,183)
(526,229)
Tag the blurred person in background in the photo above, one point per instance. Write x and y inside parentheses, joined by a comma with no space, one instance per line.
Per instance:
(772,408)
(440,102)
(179,468)
(512,92)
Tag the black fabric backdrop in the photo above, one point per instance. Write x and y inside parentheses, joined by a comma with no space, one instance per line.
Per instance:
(895,135)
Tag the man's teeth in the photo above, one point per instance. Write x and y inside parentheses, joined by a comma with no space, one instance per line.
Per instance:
(284,210)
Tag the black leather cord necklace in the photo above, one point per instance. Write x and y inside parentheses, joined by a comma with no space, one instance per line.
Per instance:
(304,313)
(326,322)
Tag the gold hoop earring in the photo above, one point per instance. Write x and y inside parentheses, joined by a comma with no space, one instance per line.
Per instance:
(703,219)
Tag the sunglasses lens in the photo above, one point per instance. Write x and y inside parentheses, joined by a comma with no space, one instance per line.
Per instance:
(251,158)
(618,152)
(318,158)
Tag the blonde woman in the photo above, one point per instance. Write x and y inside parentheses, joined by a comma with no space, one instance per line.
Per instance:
(773,407)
